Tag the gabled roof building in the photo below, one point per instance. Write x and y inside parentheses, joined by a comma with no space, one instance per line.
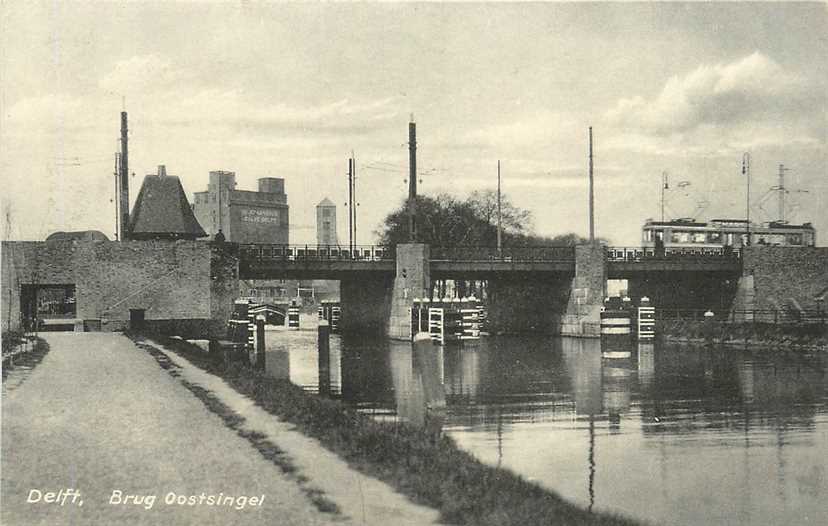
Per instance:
(162,210)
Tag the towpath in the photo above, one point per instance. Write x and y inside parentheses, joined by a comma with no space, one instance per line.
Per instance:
(99,415)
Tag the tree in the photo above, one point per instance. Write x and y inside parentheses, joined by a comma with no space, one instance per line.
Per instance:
(445,220)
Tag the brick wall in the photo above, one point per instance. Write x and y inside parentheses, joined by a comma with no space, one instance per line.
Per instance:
(784,273)
(169,279)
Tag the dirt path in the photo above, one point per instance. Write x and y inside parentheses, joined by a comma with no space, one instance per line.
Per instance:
(364,499)
(99,415)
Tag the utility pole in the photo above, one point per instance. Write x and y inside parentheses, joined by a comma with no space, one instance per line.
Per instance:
(782,191)
(499,226)
(117,173)
(353,193)
(351,206)
(665,185)
(746,173)
(124,170)
(412,181)
(591,194)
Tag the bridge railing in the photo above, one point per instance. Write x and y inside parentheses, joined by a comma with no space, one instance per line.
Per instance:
(638,254)
(506,254)
(265,252)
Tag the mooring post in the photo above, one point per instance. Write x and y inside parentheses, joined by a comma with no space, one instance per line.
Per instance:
(260,342)
(324,361)
(709,327)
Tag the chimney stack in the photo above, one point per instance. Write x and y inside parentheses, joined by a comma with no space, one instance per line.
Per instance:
(162,170)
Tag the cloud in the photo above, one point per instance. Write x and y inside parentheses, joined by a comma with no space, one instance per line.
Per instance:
(754,89)
(164,95)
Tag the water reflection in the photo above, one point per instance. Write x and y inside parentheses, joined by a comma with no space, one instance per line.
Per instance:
(672,435)
(419,393)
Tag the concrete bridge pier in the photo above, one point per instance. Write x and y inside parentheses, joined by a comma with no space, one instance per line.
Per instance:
(366,303)
(412,280)
(589,288)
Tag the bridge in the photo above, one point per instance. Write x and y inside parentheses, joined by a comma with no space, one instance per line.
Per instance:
(261,261)
(189,286)
(528,287)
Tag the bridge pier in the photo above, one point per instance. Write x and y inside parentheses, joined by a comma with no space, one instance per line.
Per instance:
(412,280)
(588,290)
(365,302)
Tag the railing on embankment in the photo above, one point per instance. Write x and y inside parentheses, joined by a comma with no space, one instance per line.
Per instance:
(768,316)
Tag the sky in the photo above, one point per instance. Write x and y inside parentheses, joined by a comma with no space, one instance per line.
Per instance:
(291,90)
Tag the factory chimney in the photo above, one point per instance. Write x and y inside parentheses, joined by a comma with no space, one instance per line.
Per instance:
(123,175)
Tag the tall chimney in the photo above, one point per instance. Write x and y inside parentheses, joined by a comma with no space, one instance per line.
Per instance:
(124,176)
(412,180)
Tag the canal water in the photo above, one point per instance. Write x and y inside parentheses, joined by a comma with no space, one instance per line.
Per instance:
(674,435)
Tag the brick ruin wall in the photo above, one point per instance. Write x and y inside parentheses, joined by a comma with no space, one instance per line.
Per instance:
(170,280)
(783,274)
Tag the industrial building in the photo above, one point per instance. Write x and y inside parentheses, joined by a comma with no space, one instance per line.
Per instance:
(326,223)
(244,216)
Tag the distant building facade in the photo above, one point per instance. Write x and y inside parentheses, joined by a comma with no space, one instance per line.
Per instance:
(326,223)
(244,216)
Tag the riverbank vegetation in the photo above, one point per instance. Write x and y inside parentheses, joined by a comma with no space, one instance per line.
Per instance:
(21,350)
(419,463)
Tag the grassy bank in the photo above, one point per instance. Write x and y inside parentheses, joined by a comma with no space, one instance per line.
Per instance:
(428,468)
(22,351)
(812,336)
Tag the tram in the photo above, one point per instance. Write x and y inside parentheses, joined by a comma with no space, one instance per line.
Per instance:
(721,233)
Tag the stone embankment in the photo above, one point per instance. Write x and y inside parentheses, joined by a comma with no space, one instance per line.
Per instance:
(754,335)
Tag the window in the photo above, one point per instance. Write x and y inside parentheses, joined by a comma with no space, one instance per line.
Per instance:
(680,237)
(714,237)
(699,237)
(326,212)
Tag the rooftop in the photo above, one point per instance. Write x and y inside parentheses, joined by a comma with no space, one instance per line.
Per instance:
(162,210)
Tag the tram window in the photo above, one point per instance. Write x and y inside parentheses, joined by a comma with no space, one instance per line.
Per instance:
(794,239)
(699,237)
(680,237)
(714,237)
